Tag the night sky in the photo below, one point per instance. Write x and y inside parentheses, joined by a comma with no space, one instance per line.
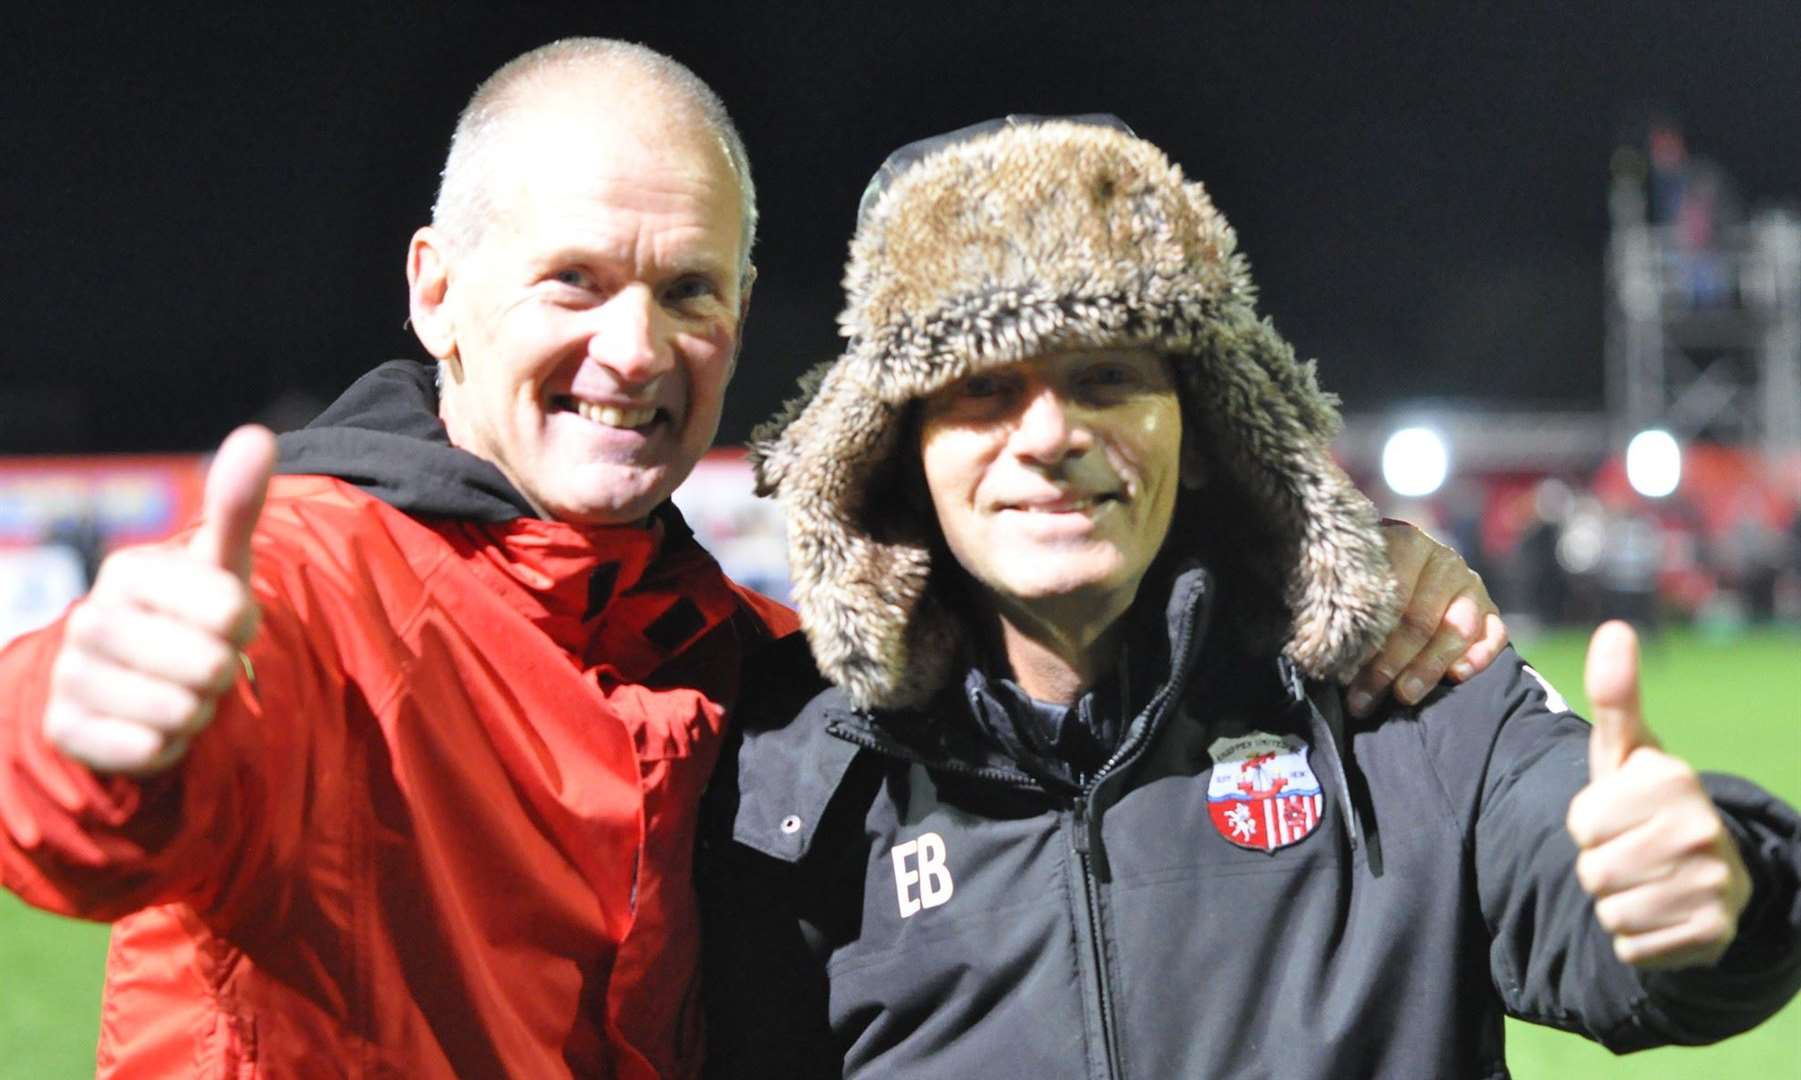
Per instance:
(205,215)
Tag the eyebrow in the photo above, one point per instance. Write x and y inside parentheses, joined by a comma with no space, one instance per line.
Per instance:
(682,266)
(699,264)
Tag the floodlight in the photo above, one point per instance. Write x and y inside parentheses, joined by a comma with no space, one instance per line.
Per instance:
(1414,462)
(1653,463)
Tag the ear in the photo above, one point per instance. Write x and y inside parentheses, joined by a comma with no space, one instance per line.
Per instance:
(428,290)
(745,283)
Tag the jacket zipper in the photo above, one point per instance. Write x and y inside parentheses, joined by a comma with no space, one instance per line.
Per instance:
(1097,951)
(1091,852)
(1091,855)
(881,746)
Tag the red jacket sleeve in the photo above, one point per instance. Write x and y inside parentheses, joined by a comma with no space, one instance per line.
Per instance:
(98,847)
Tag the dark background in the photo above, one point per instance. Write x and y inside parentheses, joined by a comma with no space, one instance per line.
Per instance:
(205,213)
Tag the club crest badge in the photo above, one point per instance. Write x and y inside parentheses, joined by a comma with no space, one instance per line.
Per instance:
(1263,795)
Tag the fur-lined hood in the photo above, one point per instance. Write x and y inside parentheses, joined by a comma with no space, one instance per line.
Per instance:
(1023,237)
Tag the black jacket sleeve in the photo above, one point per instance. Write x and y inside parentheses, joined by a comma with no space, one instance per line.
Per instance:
(764,986)
(1762,969)
(1550,960)
(763,979)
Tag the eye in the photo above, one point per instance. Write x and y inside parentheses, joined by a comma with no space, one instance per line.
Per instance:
(973,397)
(1116,376)
(1104,377)
(979,386)
(574,277)
(689,287)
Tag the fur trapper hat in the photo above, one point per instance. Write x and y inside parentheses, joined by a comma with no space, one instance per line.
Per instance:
(1023,237)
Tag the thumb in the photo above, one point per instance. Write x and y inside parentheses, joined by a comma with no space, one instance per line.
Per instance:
(236,482)
(1611,679)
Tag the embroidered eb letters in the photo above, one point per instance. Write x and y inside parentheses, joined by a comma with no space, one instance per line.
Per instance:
(932,877)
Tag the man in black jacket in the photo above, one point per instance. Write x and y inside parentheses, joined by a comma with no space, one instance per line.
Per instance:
(1083,801)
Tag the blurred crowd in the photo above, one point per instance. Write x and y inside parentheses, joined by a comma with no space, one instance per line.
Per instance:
(1723,550)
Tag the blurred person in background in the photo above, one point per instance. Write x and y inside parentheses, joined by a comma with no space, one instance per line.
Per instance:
(1695,198)
(1083,798)
(1542,583)
(82,535)
(1631,559)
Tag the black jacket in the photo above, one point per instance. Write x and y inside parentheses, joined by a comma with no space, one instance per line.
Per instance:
(918,896)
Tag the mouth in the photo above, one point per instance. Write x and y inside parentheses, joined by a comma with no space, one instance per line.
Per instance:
(626,418)
(1069,504)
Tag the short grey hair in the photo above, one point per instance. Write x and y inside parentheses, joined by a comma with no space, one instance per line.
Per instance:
(464,206)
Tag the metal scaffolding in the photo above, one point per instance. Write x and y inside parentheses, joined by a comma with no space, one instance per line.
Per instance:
(1704,340)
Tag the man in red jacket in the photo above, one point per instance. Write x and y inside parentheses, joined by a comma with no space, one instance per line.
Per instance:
(436,816)
(391,765)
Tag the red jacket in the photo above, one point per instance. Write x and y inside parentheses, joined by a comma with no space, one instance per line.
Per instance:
(446,827)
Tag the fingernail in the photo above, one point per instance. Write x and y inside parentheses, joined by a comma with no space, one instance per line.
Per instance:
(1359,702)
(1462,670)
(1412,689)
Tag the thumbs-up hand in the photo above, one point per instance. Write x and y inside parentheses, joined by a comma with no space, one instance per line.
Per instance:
(1667,878)
(147,654)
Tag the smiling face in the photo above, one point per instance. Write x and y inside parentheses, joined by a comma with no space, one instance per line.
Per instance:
(593,326)
(1055,479)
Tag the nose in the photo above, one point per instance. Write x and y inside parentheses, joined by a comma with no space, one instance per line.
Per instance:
(625,340)
(1049,429)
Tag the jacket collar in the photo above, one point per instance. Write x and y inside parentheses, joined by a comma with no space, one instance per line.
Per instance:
(1165,641)
(383,435)
(658,589)
(796,754)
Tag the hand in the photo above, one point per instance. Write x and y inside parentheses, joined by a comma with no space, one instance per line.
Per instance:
(1667,878)
(1448,625)
(146,655)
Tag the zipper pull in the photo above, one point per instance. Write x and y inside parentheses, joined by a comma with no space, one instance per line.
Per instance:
(1087,839)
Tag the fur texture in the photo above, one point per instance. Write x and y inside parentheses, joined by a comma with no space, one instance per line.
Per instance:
(1035,239)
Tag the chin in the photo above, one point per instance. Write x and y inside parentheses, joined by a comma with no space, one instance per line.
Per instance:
(608,510)
(1064,586)
(611,498)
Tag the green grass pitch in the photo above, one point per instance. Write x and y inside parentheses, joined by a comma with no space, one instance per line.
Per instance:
(1732,704)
